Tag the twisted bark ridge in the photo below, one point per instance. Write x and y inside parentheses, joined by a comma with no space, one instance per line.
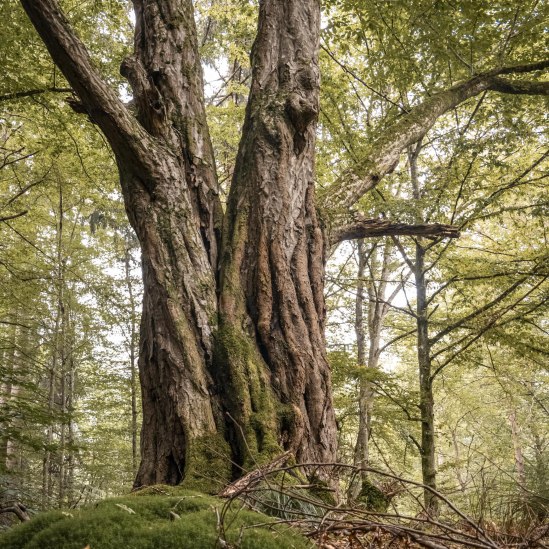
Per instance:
(232,356)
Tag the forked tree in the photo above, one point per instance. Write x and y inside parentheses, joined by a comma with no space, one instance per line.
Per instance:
(232,354)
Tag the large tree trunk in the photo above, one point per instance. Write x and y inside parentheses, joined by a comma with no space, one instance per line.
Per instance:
(177,220)
(272,348)
(270,372)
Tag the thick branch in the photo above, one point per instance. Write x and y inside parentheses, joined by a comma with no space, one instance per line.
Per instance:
(518,87)
(130,142)
(365,228)
(385,152)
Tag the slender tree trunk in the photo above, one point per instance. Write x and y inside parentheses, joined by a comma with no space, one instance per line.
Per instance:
(69,483)
(62,389)
(378,307)
(133,361)
(361,456)
(517,447)
(457,454)
(376,283)
(9,358)
(426,398)
(55,365)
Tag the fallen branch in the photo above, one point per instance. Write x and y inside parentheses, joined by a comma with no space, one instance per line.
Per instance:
(365,228)
(254,477)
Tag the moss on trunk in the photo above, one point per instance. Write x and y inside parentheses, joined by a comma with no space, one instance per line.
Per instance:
(252,408)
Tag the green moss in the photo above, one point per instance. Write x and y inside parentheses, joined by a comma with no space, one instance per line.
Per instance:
(16,537)
(320,490)
(209,464)
(148,519)
(251,401)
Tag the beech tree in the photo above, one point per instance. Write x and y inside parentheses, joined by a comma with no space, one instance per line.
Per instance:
(232,355)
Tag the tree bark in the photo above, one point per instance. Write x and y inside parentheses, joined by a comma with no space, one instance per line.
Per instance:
(365,228)
(362,454)
(272,269)
(270,372)
(378,307)
(426,397)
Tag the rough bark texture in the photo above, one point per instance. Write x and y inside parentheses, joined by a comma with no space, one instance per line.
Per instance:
(364,228)
(274,249)
(177,223)
(168,182)
(270,345)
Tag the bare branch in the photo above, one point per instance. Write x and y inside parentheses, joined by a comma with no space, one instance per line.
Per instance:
(30,93)
(364,228)
(14,216)
(479,311)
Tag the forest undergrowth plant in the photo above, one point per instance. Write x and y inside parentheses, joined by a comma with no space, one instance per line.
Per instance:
(407,520)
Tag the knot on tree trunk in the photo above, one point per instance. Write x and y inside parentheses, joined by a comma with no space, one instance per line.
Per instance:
(300,111)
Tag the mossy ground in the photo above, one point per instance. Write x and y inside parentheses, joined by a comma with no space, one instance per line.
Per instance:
(111,524)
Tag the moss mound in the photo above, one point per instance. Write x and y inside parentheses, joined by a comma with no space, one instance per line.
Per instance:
(159,517)
(373,498)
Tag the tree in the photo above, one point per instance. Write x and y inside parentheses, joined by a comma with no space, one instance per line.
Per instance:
(232,357)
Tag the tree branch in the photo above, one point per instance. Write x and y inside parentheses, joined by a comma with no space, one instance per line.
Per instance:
(364,228)
(479,311)
(13,216)
(30,93)
(385,152)
(128,139)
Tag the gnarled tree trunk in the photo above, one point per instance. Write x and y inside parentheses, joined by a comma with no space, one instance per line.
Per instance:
(247,340)
(272,267)
(232,357)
